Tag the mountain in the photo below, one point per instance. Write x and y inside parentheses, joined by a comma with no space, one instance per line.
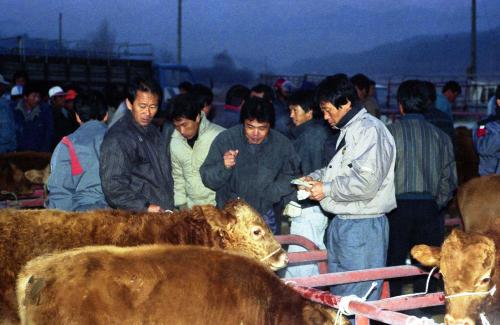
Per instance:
(422,55)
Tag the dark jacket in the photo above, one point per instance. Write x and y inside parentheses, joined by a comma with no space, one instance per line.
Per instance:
(64,124)
(262,173)
(34,129)
(135,167)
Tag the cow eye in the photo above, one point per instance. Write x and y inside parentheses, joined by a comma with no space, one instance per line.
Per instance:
(256,231)
(485,280)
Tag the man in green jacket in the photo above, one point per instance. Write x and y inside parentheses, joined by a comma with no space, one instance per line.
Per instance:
(189,147)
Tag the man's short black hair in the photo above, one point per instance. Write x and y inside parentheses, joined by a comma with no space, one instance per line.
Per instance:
(264,89)
(412,96)
(337,90)
(185,106)
(186,86)
(90,105)
(236,95)
(203,94)
(144,85)
(497,92)
(304,99)
(361,81)
(453,86)
(29,89)
(258,109)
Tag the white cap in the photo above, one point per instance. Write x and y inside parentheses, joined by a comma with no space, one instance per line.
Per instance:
(17,90)
(3,81)
(56,91)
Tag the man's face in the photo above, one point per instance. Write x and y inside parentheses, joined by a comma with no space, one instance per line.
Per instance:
(144,107)
(58,101)
(186,127)
(256,131)
(451,96)
(298,115)
(333,115)
(32,100)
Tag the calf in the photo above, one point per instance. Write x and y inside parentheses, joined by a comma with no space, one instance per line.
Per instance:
(26,234)
(469,263)
(479,202)
(14,167)
(158,284)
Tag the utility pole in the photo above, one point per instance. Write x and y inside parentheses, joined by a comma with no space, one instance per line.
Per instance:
(471,70)
(60,31)
(179,32)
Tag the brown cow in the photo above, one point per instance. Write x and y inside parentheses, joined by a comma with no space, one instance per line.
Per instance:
(26,234)
(469,263)
(158,284)
(13,168)
(479,202)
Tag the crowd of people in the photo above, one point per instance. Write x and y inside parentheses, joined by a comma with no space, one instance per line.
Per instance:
(314,152)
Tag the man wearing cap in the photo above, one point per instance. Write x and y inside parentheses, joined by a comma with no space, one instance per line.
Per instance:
(34,124)
(7,129)
(64,120)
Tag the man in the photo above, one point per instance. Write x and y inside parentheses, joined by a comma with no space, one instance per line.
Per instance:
(64,119)
(363,87)
(7,126)
(189,147)
(229,116)
(486,138)
(425,178)
(451,90)
(135,163)
(434,116)
(357,185)
(308,136)
(34,124)
(205,97)
(252,161)
(74,183)
(283,88)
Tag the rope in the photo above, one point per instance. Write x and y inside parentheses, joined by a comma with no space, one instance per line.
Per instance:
(271,254)
(413,320)
(345,301)
(484,320)
(490,292)
(426,286)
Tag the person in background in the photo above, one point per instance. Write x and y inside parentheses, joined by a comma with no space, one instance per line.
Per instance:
(308,136)
(448,96)
(205,97)
(253,162)
(189,146)
(34,122)
(185,87)
(434,116)
(425,179)
(64,120)
(282,88)
(357,185)
(74,183)
(364,86)
(7,126)
(486,139)
(135,164)
(229,116)
(492,103)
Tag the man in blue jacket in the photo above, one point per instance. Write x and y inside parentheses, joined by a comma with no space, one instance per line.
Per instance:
(74,183)
(253,162)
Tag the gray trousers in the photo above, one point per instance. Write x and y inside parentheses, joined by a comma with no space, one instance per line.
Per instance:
(357,244)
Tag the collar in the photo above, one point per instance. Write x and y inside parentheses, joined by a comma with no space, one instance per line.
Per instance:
(349,116)
(413,116)
(143,130)
(296,131)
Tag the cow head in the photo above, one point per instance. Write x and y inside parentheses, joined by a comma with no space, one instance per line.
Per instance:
(467,262)
(243,230)
(12,180)
(37,176)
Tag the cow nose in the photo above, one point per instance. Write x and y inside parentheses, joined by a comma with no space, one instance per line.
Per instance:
(450,320)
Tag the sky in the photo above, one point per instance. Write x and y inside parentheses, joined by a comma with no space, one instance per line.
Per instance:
(259,34)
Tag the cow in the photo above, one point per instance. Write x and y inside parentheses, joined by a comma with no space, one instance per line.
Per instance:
(478,201)
(470,266)
(16,169)
(158,284)
(26,234)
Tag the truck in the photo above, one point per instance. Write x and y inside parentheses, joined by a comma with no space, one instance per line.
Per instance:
(86,65)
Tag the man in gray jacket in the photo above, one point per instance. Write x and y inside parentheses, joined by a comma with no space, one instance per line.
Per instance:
(357,185)
(252,161)
(135,166)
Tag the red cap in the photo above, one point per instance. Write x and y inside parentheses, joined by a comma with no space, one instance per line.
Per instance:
(71,95)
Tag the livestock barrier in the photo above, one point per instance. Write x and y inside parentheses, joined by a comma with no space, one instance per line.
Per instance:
(34,200)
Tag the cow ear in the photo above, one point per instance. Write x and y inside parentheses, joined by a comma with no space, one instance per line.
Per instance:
(217,218)
(37,176)
(17,174)
(426,255)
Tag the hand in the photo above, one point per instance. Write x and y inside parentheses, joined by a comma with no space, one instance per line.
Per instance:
(230,158)
(305,179)
(154,208)
(316,191)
